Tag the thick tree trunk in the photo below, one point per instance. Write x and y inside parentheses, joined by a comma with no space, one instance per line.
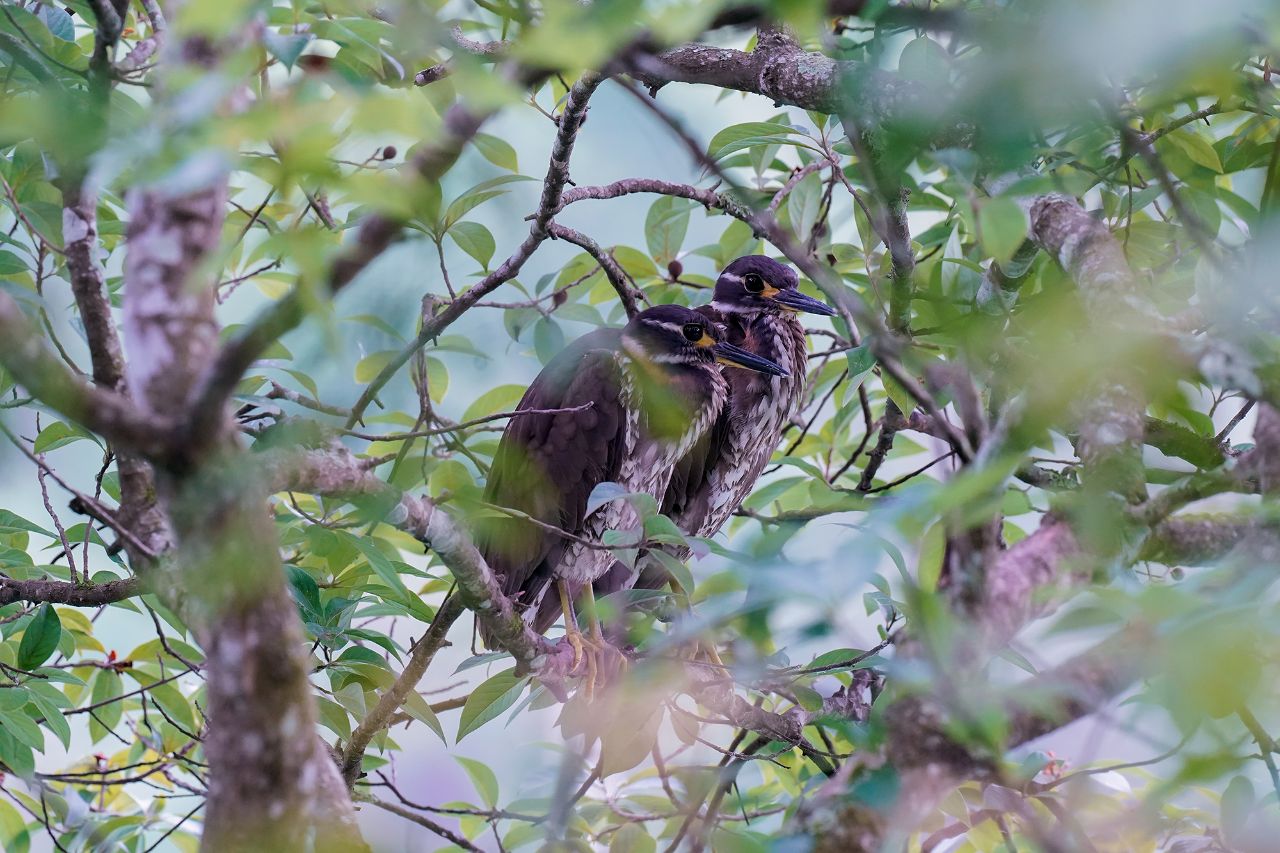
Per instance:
(273,784)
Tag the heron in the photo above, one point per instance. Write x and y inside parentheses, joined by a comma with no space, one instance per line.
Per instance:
(621,406)
(756,301)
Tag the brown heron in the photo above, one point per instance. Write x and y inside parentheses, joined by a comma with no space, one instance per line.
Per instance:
(619,405)
(756,300)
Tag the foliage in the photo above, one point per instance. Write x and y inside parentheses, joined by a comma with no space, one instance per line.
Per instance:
(976,523)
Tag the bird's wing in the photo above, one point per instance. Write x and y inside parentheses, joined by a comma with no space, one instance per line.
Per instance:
(547,465)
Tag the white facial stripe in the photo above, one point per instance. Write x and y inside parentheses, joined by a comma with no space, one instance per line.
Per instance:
(726,308)
(672,327)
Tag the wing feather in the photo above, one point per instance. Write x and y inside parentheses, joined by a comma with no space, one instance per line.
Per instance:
(548,464)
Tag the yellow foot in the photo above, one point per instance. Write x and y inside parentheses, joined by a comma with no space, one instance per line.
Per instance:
(579,651)
(593,671)
(601,663)
(708,651)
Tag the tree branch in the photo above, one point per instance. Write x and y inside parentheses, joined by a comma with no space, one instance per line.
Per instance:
(61,592)
(393,697)
(571,119)
(375,235)
(779,69)
(48,379)
(627,295)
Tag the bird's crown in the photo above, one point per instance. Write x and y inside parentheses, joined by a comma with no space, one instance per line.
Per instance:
(675,335)
(759,284)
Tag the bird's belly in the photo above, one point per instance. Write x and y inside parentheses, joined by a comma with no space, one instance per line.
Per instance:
(748,447)
(646,470)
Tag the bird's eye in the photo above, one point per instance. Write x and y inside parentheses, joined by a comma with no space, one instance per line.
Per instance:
(753,282)
(694,331)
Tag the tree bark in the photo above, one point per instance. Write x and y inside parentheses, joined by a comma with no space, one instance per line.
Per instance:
(273,783)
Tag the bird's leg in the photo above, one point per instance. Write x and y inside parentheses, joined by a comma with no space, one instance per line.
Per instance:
(596,642)
(571,631)
(708,650)
(593,618)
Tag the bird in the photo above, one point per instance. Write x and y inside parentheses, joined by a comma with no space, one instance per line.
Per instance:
(618,405)
(755,300)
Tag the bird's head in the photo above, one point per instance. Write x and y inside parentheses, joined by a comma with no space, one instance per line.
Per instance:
(757,284)
(673,334)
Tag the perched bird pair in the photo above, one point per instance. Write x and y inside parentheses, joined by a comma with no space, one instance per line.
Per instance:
(663,420)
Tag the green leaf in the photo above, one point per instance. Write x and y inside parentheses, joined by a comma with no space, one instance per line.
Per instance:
(1176,440)
(11,264)
(809,699)
(898,394)
(14,523)
(59,434)
(22,727)
(16,755)
(804,204)
(13,698)
(1237,802)
(665,227)
(334,717)
(501,399)
(286,48)
(170,698)
(1018,659)
(1003,227)
(474,239)
(106,685)
(932,548)
(382,567)
(12,826)
(306,592)
(58,21)
(437,378)
(483,778)
(418,708)
(752,133)
(476,196)
(496,151)
(630,741)
(489,700)
(548,339)
(369,366)
(603,493)
(635,262)
(1196,147)
(924,60)
(861,361)
(676,569)
(40,638)
(632,838)
(54,720)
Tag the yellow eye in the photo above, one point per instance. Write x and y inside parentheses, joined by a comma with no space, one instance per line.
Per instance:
(753,282)
(693,331)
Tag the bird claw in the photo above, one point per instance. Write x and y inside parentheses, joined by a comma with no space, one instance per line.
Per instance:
(707,650)
(575,640)
(598,662)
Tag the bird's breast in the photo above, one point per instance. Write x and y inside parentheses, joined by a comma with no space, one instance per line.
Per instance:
(759,408)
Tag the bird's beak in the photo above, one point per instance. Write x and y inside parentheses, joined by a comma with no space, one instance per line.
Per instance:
(794,300)
(738,357)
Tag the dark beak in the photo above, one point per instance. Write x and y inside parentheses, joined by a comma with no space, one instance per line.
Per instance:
(797,301)
(738,357)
